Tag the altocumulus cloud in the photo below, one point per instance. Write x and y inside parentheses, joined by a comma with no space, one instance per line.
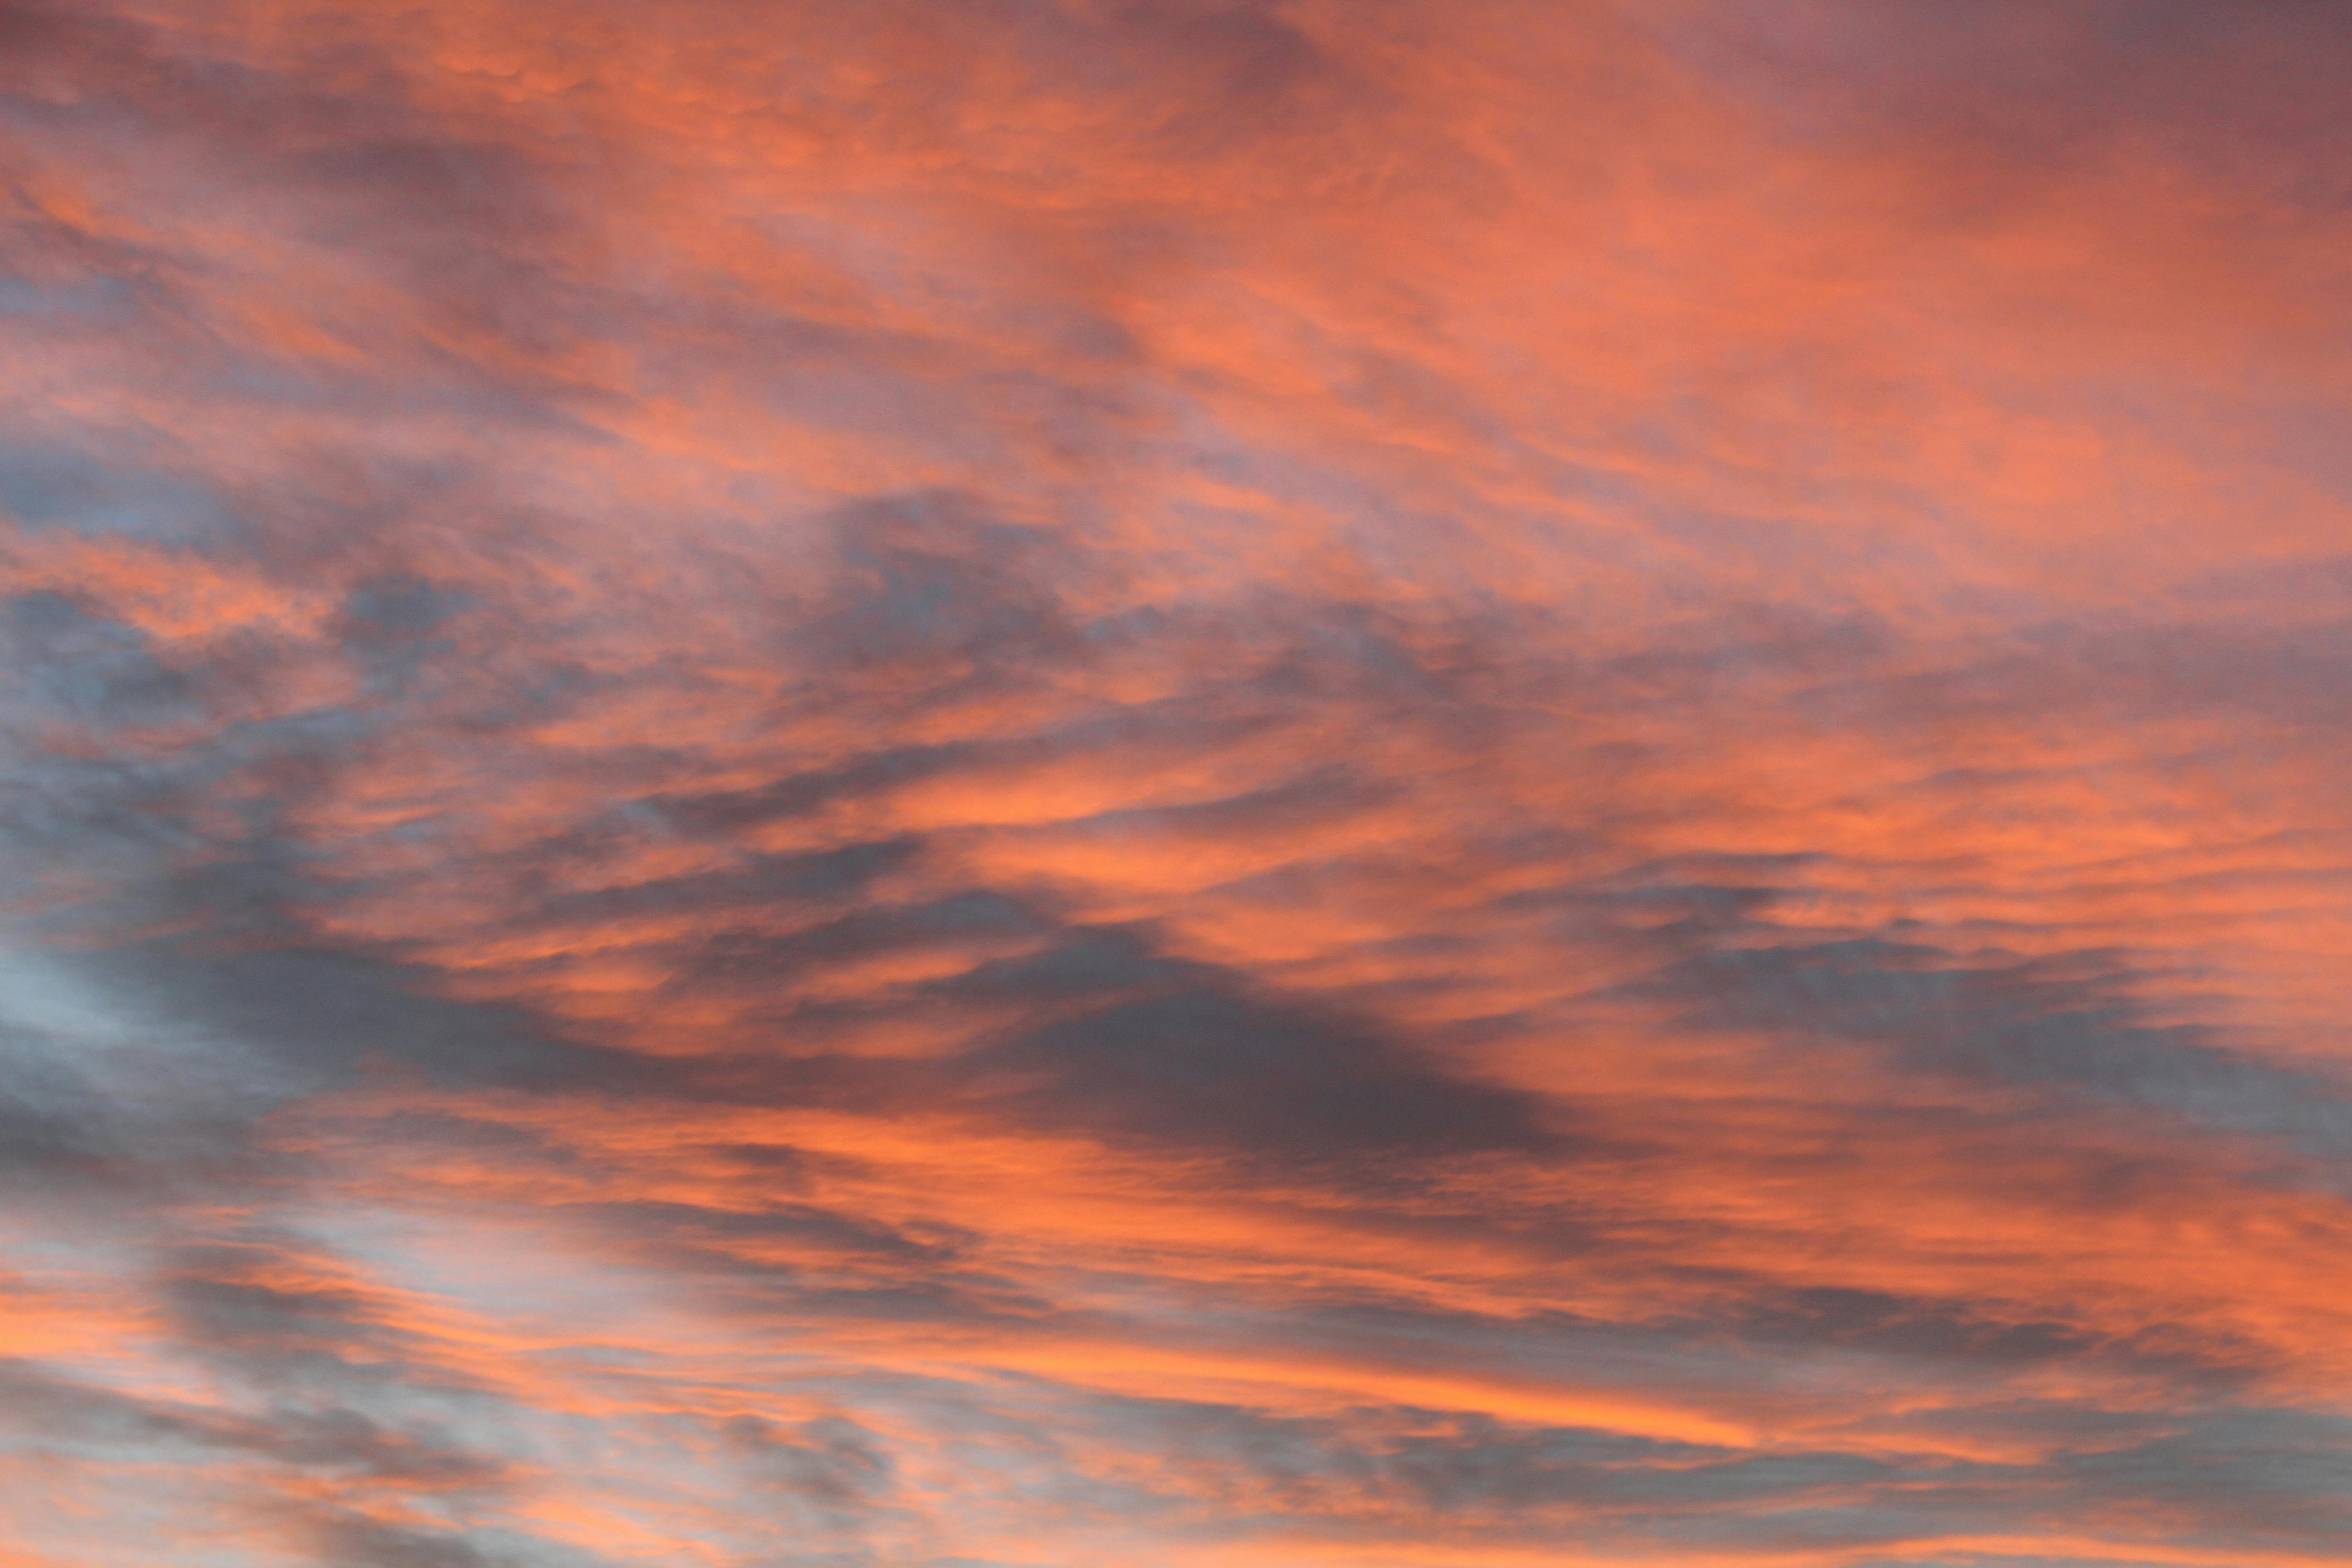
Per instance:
(997,785)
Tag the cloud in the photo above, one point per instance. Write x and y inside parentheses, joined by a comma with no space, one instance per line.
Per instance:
(1123,785)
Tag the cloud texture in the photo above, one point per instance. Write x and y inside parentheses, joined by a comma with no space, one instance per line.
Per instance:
(1065,784)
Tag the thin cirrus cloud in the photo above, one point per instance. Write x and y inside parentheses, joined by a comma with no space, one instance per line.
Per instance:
(1077,783)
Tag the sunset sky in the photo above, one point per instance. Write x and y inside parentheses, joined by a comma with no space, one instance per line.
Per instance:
(1175,783)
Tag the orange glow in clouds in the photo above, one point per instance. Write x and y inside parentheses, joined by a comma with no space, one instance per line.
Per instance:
(1124,783)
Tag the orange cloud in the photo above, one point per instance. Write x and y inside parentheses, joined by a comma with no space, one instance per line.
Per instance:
(1157,783)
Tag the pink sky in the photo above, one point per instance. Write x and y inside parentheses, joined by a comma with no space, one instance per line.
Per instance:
(1047,784)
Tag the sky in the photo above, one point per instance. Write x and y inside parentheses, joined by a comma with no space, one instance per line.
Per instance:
(1175,783)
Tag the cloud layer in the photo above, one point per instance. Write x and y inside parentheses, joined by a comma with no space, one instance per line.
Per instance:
(1020,785)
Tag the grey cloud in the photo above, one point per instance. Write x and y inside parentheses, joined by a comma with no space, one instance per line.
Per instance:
(752,957)
(820,1229)
(753,883)
(461,226)
(296,1340)
(2288,673)
(830,1462)
(344,1539)
(97,1095)
(51,1414)
(74,298)
(391,605)
(806,1263)
(2064,1022)
(717,813)
(1192,79)
(1083,961)
(321,1013)
(47,1415)
(87,670)
(394,623)
(2235,1476)
(107,491)
(2202,1479)
(1206,1066)
(363,1543)
(930,580)
(53,1124)
(1949,1337)
(1478,1471)
(2239,85)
